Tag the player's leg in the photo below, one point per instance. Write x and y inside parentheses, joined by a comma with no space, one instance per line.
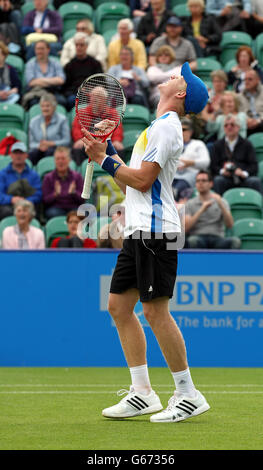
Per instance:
(167,333)
(141,399)
(187,401)
(132,338)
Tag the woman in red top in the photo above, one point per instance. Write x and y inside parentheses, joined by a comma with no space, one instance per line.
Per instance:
(72,240)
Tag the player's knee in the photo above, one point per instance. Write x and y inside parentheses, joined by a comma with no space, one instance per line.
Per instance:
(154,314)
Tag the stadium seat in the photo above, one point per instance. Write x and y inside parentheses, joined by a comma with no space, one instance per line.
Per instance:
(12,116)
(136,117)
(244,203)
(55,227)
(47,164)
(16,62)
(11,220)
(181,10)
(206,65)
(97,3)
(17,133)
(129,140)
(69,34)
(260,171)
(72,12)
(257,142)
(258,48)
(228,66)
(250,232)
(108,35)
(107,16)
(231,41)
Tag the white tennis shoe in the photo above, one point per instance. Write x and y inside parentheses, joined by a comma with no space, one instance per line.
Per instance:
(180,408)
(134,404)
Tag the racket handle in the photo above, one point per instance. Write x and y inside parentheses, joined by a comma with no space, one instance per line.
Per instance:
(88,180)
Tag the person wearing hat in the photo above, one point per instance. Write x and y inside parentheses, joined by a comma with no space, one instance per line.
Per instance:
(147,264)
(18,181)
(183,48)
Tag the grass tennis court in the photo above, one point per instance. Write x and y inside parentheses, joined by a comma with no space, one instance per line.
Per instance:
(58,408)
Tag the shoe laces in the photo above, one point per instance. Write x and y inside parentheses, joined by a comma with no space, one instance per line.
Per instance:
(123,391)
(171,403)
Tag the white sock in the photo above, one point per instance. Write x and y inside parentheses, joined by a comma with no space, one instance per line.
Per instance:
(140,379)
(183,383)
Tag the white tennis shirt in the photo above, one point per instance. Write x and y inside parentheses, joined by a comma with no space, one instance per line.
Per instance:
(155,209)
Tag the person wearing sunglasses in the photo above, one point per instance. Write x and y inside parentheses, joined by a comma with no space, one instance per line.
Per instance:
(233,160)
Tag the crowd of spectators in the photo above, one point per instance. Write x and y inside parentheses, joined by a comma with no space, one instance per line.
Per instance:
(145,50)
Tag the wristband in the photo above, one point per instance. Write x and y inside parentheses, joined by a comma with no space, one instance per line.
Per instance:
(110,165)
(110,150)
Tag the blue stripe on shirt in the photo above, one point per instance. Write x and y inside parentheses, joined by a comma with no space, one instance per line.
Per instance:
(157,211)
(150,157)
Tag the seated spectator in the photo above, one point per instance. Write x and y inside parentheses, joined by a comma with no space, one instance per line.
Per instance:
(219,85)
(42,23)
(79,68)
(251,102)
(138,9)
(230,14)
(153,24)
(229,104)
(183,49)
(18,182)
(72,240)
(95,45)
(202,30)
(165,66)
(48,130)
(245,61)
(133,79)
(98,102)
(194,157)
(206,217)
(10,84)
(43,74)
(10,13)
(125,29)
(255,22)
(22,235)
(233,160)
(62,187)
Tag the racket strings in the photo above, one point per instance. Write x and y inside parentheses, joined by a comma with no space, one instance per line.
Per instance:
(99,99)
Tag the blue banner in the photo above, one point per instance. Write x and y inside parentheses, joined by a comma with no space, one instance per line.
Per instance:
(54,309)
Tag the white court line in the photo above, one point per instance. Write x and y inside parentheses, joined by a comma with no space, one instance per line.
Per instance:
(90,392)
(118,385)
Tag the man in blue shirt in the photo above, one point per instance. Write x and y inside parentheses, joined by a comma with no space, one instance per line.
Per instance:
(18,171)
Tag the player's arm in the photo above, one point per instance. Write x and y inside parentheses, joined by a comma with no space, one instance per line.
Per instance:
(140,179)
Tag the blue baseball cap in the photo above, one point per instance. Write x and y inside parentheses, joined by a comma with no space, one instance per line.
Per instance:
(196,91)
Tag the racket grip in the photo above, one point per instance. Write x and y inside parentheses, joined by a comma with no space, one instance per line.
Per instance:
(88,180)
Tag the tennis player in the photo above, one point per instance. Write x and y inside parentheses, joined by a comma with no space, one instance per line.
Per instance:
(146,269)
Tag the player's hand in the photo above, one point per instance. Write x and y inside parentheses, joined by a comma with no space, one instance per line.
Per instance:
(94,149)
(106,126)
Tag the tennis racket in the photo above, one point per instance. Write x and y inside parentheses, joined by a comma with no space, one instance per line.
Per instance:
(100,106)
